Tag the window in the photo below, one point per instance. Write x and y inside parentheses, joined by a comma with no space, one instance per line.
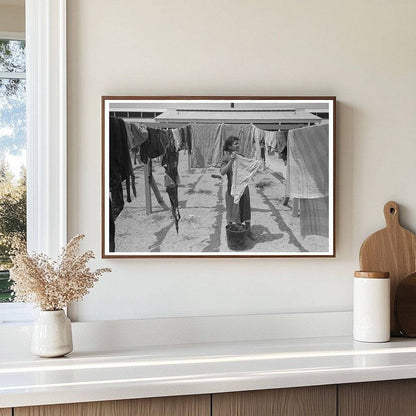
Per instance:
(45,26)
(12,155)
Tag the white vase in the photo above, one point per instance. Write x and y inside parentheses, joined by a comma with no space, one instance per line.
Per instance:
(52,334)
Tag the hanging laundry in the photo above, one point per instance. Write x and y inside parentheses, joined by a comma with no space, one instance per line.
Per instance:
(170,141)
(111,228)
(240,212)
(282,145)
(270,139)
(307,165)
(170,162)
(185,134)
(281,141)
(120,165)
(178,139)
(128,125)
(245,133)
(314,216)
(155,145)
(140,135)
(259,143)
(206,145)
(243,170)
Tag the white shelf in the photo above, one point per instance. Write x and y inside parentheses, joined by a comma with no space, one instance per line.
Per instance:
(151,371)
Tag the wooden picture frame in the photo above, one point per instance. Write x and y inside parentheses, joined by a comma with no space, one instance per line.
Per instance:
(188,160)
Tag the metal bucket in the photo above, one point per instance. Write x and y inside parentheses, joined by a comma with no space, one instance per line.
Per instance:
(236,237)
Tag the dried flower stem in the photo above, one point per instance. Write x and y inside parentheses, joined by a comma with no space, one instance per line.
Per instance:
(53,285)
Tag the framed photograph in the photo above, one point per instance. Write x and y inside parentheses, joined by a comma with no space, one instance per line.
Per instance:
(218,176)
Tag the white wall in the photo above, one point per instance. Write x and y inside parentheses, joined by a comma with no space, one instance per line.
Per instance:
(12,18)
(361,51)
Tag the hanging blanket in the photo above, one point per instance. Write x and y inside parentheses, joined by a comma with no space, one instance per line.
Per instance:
(307,166)
(242,171)
(314,216)
(206,145)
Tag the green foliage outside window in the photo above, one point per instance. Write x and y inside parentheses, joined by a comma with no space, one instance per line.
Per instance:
(12,223)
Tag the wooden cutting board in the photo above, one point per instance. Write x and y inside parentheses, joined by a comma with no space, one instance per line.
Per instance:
(393,250)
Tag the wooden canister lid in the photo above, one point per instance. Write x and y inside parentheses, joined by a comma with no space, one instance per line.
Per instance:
(372,275)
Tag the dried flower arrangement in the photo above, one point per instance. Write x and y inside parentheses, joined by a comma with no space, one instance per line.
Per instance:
(53,285)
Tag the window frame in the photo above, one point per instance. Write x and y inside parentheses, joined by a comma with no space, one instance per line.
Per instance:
(46,127)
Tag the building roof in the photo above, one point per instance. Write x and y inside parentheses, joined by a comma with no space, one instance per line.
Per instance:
(238,116)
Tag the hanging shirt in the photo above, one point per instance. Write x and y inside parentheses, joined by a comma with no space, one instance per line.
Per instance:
(243,170)
(155,145)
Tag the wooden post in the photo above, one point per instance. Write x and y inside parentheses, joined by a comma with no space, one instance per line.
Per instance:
(156,190)
(295,211)
(147,181)
(286,201)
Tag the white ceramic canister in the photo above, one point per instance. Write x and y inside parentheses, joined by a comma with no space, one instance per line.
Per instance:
(371,314)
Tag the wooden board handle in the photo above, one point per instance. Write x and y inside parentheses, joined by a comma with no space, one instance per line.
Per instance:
(372,275)
(391,214)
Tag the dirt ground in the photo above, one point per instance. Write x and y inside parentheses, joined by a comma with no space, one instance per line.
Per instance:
(202,208)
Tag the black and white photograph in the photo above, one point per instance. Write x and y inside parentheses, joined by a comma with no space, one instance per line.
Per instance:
(220,177)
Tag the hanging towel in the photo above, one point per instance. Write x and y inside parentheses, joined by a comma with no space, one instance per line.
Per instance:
(178,139)
(314,217)
(140,135)
(245,133)
(243,170)
(281,141)
(307,166)
(206,145)
(270,139)
(129,133)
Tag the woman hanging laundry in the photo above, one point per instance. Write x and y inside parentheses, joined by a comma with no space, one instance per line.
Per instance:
(237,197)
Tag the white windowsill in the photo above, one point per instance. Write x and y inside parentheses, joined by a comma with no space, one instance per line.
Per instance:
(16,313)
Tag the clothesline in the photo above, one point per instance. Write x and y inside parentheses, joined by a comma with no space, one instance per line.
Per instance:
(204,141)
